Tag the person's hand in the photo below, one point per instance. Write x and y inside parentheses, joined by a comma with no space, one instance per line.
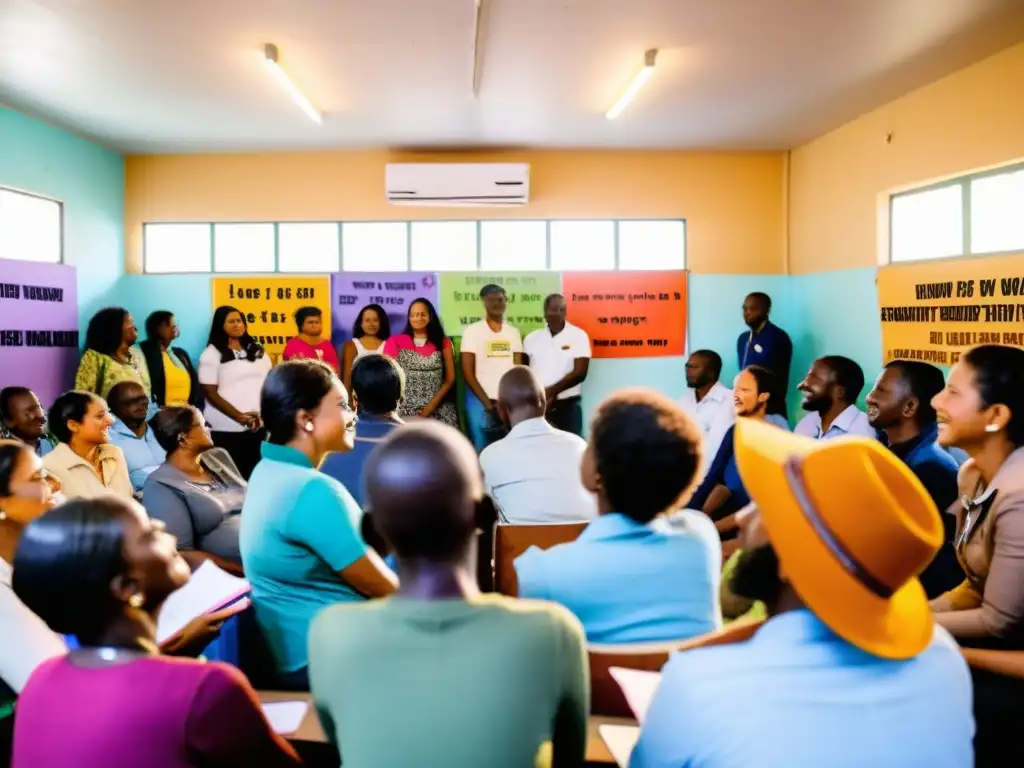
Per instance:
(550,395)
(490,405)
(201,631)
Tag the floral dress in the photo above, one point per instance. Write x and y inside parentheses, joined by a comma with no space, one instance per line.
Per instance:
(98,373)
(424,374)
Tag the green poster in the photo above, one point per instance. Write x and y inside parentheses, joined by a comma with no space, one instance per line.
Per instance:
(459,296)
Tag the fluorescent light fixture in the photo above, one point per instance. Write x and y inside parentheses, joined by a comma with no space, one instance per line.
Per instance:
(270,58)
(635,85)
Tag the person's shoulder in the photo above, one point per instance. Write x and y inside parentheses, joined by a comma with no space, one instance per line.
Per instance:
(534,337)
(318,488)
(944,652)
(533,615)
(344,625)
(210,354)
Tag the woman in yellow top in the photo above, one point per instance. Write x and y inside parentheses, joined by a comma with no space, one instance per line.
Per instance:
(109,357)
(170,369)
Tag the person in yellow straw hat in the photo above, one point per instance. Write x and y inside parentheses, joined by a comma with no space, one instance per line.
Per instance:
(849,669)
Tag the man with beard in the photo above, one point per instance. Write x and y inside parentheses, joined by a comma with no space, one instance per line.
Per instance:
(23,418)
(831,389)
(850,668)
(707,400)
(765,344)
(900,406)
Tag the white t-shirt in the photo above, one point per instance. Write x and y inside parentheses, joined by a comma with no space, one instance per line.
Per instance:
(493,350)
(240,382)
(26,641)
(552,358)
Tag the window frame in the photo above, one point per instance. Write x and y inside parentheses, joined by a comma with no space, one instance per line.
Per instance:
(62,227)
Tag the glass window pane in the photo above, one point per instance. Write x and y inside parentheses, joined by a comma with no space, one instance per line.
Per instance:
(176,247)
(997,213)
(375,246)
(579,245)
(652,245)
(243,247)
(513,245)
(445,246)
(928,225)
(308,247)
(29,227)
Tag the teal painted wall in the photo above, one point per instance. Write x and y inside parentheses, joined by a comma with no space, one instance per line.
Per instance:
(89,180)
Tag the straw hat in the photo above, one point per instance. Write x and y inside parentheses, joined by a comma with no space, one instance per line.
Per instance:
(852,526)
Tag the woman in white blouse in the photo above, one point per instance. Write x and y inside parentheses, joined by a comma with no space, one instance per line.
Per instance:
(232,370)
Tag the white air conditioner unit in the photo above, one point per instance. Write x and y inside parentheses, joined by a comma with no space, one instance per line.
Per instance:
(458,184)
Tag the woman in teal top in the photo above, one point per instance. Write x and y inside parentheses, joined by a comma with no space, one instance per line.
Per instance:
(300,541)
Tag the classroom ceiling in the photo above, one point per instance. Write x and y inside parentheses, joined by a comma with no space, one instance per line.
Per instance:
(186,75)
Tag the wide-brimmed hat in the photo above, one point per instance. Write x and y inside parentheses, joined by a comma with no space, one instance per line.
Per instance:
(852,527)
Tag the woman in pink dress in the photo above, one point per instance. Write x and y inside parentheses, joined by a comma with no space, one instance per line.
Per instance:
(310,344)
(369,332)
(427,357)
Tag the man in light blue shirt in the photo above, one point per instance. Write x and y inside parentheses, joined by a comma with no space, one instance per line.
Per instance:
(632,576)
(130,432)
(831,389)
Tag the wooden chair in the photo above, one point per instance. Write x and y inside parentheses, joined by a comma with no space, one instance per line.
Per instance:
(510,541)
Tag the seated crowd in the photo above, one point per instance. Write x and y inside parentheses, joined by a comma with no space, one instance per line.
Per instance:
(868,570)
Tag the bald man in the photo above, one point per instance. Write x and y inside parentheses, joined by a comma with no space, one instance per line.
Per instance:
(533,474)
(440,637)
(130,405)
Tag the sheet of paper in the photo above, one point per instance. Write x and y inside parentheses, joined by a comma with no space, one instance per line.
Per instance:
(620,740)
(209,588)
(285,717)
(638,687)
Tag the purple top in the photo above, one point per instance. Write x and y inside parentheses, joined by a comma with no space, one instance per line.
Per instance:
(155,711)
(404,341)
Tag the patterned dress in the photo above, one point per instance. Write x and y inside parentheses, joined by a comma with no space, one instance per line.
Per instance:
(424,375)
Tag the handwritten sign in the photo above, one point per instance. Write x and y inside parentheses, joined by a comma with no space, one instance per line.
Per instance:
(629,314)
(39,336)
(270,303)
(395,291)
(461,304)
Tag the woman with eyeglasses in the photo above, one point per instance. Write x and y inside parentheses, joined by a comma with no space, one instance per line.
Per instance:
(300,531)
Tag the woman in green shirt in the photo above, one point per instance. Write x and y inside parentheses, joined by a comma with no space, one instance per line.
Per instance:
(109,356)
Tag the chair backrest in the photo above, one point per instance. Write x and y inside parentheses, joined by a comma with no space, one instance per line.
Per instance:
(510,541)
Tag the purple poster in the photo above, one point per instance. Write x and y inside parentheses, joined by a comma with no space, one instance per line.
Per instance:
(395,291)
(38,327)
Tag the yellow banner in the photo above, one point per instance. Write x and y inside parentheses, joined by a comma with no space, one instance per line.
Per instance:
(270,303)
(934,311)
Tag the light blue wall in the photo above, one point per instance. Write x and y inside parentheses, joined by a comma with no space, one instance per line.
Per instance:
(89,180)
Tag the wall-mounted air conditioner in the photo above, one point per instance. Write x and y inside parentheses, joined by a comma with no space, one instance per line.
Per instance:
(458,184)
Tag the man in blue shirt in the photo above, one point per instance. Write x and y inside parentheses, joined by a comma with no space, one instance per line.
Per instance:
(831,389)
(849,669)
(765,344)
(23,418)
(130,405)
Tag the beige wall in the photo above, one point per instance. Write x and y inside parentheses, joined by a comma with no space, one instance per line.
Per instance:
(839,183)
(733,202)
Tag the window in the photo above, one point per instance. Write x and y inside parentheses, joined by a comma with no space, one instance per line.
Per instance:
(243,247)
(308,247)
(582,245)
(444,246)
(375,247)
(513,245)
(652,245)
(997,213)
(176,247)
(30,227)
(928,225)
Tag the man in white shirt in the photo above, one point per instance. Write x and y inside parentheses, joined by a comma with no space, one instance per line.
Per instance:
(708,400)
(560,356)
(533,474)
(489,348)
(831,389)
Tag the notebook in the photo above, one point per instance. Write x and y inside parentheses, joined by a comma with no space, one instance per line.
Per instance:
(638,687)
(620,740)
(209,589)
(285,717)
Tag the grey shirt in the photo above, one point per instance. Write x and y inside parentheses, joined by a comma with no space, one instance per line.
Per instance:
(203,516)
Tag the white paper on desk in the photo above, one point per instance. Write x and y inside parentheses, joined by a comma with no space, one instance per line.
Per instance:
(209,588)
(285,717)
(639,687)
(620,740)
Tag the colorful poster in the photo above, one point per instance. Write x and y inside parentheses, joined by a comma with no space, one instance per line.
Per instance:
(461,304)
(39,337)
(935,311)
(629,314)
(269,304)
(394,291)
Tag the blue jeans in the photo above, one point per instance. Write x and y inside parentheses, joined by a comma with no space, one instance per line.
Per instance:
(484,426)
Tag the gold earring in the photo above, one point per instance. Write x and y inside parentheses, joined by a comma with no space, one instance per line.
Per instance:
(136,600)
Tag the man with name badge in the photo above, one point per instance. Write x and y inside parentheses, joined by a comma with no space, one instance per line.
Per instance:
(765,344)
(560,356)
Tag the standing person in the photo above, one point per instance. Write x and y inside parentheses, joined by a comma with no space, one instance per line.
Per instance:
(131,433)
(310,344)
(109,356)
(489,348)
(440,634)
(173,377)
(765,344)
(370,331)
(23,418)
(427,357)
(300,540)
(900,405)
(849,658)
(831,389)
(707,400)
(232,370)
(101,570)
(560,356)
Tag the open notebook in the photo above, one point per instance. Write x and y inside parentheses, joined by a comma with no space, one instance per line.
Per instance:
(639,688)
(209,589)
